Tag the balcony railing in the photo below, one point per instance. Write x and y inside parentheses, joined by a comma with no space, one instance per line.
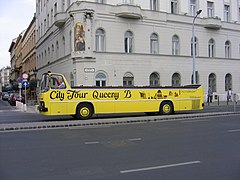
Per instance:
(128,11)
(212,23)
(60,19)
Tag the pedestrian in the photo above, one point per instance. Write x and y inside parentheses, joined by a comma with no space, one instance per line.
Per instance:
(229,95)
(210,95)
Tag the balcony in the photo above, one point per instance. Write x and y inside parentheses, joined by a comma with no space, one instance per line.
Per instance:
(60,19)
(128,11)
(212,23)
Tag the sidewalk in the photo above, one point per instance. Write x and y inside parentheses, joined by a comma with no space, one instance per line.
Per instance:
(220,103)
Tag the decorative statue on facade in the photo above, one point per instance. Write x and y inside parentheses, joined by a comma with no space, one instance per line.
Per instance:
(79,37)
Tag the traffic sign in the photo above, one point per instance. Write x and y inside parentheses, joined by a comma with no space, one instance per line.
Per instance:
(25,76)
(25,84)
(19,80)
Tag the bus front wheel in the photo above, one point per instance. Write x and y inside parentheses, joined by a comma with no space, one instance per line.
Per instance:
(84,111)
(166,108)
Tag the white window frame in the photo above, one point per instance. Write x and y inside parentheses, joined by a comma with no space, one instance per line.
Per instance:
(227,49)
(153,5)
(226,13)
(154,43)
(211,48)
(210,9)
(175,45)
(174,6)
(193,7)
(128,42)
(100,40)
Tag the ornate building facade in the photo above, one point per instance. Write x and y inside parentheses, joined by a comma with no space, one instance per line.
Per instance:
(141,43)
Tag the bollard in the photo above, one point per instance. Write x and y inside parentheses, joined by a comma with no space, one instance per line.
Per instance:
(218,100)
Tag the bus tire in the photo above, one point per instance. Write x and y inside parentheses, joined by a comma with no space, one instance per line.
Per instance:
(84,111)
(166,108)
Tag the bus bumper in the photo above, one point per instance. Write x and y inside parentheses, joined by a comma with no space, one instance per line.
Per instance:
(42,108)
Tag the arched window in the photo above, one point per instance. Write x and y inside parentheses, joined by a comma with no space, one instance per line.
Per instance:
(128,42)
(49,54)
(63,43)
(57,49)
(52,51)
(128,79)
(101,79)
(227,49)
(196,46)
(175,45)
(70,41)
(100,40)
(154,79)
(211,48)
(212,82)
(154,43)
(228,82)
(176,79)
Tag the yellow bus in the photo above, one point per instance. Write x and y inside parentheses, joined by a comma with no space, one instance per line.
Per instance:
(58,98)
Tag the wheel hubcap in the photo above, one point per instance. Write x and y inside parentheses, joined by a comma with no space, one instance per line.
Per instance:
(84,112)
(166,108)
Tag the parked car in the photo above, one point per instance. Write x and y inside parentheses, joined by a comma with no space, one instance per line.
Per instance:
(15,97)
(5,96)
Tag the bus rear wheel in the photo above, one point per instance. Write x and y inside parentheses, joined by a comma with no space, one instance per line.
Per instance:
(84,111)
(166,108)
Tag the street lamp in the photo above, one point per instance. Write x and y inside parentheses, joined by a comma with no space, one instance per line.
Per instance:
(193,47)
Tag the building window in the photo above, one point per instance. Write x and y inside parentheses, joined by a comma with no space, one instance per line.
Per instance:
(211,48)
(174,6)
(63,43)
(176,79)
(99,1)
(226,13)
(128,42)
(193,7)
(154,79)
(227,49)
(153,5)
(55,8)
(154,43)
(70,40)
(128,79)
(100,40)
(57,49)
(228,82)
(128,1)
(101,79)
(196,46)
(210,9)
(239,15)
(63,5)
(52,51)
(175,45)
(212,82)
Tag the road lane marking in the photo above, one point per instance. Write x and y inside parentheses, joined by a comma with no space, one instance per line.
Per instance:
(234,130)
(160,167)
(93,142)
(193,121)
(135,139)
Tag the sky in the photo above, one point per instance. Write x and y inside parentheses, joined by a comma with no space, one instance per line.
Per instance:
(15,16)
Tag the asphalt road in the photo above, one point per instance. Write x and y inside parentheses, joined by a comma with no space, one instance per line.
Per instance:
(195,149)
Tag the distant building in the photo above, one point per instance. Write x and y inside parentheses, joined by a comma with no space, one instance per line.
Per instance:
(29,50)
(4,77)
(133,42)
